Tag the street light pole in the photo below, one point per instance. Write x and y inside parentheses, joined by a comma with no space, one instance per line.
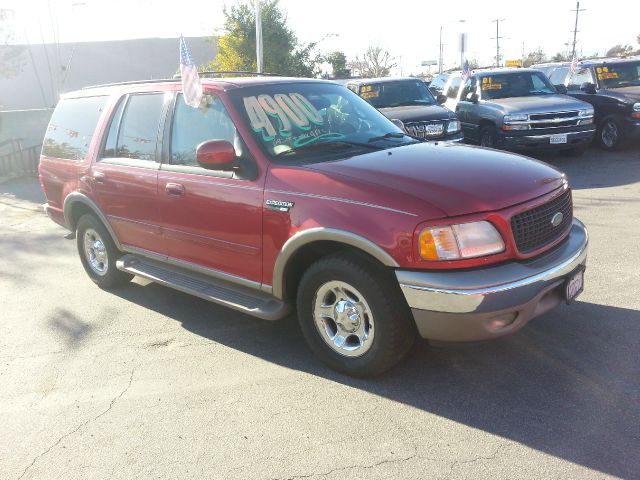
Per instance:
(258,36)
(440,52)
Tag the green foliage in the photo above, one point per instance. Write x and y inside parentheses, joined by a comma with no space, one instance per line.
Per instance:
(282,53)
(338,62)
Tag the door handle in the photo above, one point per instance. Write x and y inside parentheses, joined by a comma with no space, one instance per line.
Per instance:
(174,189)
(99,177)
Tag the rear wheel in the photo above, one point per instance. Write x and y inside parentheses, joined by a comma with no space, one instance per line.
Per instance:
(488,136)
(610,134)
(353,315)
(98,253)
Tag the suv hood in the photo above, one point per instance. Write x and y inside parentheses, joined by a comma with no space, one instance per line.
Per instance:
(417,113)
(539,104)
(456,179)
(626,94)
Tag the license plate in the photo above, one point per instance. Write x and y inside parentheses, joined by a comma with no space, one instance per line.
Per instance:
(559,138)
(574,285)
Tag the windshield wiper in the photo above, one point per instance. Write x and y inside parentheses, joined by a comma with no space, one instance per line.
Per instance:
(331,144)
(393,135)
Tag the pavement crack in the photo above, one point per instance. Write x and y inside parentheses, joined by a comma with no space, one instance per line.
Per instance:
(83,424)
(493,456)
(365,467)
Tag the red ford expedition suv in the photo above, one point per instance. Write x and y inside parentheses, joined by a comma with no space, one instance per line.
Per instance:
(279,193)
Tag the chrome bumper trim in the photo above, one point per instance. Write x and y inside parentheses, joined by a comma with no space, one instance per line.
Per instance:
(494,288)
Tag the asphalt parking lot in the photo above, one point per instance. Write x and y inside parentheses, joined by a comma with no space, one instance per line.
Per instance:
(146,382)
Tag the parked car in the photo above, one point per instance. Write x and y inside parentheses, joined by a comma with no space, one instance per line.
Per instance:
(279,194)
(410,101)
(519,109)
(612,87)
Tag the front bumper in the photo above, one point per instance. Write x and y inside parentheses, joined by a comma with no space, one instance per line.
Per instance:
(488,302)
(543,141)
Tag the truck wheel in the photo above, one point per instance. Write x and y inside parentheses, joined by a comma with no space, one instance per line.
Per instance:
(98,253)
(353,316)
(488,136)
(610,134)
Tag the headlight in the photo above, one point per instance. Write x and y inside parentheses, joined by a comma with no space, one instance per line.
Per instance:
(636,107)
(519,117)
(453,127)
(587,112)
(465,240)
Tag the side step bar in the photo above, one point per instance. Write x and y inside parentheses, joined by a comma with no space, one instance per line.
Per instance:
(246,300)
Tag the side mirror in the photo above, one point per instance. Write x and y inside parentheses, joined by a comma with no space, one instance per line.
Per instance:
(399,124)
(472,97)
(216,155)
(441,99)
(588,87)
(561,88)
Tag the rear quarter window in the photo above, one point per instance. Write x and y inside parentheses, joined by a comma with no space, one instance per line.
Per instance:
(72,126)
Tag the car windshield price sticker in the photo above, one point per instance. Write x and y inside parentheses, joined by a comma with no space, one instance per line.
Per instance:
(488,84)
(604,73)
(369,91)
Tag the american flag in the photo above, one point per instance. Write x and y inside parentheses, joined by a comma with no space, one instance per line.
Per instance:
(191,86)
(574,64)
(466,71)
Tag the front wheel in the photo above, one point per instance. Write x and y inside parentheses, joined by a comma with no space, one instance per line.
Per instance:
(488,136)
(353,316)
(610,134)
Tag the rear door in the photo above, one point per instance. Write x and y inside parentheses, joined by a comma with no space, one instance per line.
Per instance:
(125,175)
(211,219)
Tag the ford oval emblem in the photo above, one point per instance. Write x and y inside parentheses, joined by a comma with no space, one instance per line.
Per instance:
(557,219)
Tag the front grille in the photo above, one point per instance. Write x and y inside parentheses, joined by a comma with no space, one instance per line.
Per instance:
(556,124)
(533,229)
(549,116)
(425,129)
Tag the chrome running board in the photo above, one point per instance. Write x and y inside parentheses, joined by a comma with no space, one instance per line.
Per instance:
(246,300)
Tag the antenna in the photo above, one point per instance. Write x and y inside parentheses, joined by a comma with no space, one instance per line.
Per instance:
(575,29)
(497,39)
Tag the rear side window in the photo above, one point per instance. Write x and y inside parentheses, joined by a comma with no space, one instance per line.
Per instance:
(133,132)
(72,126)
(452,91)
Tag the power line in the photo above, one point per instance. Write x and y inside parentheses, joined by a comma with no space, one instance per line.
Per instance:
(575,29)
(497,39)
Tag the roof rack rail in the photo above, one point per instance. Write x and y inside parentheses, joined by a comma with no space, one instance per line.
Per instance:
(213,73)
(130,82)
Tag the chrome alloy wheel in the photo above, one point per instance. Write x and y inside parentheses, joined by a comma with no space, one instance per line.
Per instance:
(343,318)
(610,134)
(95,252)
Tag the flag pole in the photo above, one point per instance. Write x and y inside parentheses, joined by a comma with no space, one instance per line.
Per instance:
(258,36)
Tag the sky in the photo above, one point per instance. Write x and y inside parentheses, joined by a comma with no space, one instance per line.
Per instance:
(408,29)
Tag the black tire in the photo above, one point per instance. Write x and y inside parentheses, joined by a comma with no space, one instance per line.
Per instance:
(393,325)
(89,225)
(610,134)
(488,136)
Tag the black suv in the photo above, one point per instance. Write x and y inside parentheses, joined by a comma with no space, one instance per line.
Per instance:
(612,86)
(519,109)
(410,101)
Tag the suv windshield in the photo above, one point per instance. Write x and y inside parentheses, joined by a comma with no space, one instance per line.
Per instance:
(397,94)
(515,84)
(617,75)
(314,121)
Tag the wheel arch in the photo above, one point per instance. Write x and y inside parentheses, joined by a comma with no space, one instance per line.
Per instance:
(77,204)
(305,247)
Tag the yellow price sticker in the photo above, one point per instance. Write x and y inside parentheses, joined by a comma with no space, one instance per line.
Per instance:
(372,94)
(492,86)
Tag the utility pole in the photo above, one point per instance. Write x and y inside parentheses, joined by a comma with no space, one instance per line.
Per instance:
(440,53)
(497,39)
(522,65)
(258,36)
(575,29)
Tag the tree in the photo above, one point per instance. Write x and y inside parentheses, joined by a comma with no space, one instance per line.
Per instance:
(532,58)
(283,53)
(619,50)
(560,57)
(375,62)
(338,62)
(12,59)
